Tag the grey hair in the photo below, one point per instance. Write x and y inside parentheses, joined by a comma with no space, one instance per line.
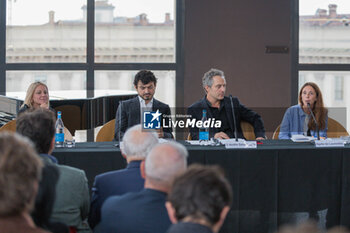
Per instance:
(138,143)
(208,77)
(165,161)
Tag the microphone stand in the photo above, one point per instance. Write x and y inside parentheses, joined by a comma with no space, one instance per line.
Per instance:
(234,118)
(120,120)
(313,117)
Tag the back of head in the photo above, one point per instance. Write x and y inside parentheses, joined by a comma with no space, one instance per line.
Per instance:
(30,92)
(137,143)
(38,126)
(164,162)
(200,193)
(20,169)
(145,76)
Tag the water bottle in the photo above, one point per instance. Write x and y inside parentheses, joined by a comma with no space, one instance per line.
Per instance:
(204,131)
(59,138)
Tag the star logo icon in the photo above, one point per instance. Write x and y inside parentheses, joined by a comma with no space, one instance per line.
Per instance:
(151,120)
(155,115)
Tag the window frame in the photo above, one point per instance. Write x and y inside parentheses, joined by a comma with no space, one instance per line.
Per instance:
(90,66)
(296,66)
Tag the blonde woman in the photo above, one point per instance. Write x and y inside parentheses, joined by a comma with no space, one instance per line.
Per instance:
(37,97)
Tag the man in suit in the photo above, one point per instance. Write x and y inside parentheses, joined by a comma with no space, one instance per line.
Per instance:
(218,107)
(130,112)
(199,200)
(136,145)
(145,211)
(71,205)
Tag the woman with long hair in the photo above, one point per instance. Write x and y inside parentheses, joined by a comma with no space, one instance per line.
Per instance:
(298,119)
(37,97)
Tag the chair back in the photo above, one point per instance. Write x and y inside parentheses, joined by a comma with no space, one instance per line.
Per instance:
(335,129)
(9,126)
(276,132)
(71,116)
(106,133)
(248,130)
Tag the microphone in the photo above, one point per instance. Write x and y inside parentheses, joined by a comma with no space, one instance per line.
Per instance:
(234,119)
(313,117)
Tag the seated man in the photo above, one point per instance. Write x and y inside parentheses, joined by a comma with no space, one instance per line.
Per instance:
(71,205)
(19,181)
(130,112)
(219,107)
(136,145)
(145,211)
(199,200)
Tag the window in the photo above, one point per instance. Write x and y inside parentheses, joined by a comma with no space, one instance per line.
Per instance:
(323,52)
(324,32)
(135,31)
(82,48)
(338,88)
(47,31)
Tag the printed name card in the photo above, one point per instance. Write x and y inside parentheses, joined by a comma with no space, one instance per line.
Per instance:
(241,145)
(329,143)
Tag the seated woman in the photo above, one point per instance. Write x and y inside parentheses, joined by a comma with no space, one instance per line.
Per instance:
(298,120)
(37,97)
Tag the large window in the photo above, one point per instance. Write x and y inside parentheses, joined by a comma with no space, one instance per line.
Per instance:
(88,48)
(323,54)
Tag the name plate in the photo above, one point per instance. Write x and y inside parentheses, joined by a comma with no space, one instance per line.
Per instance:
(329,143)
(241,145)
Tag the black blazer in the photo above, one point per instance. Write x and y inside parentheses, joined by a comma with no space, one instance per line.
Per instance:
(241,113)
(130,116)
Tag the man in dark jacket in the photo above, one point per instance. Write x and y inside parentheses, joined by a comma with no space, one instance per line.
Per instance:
(130,112)
(219,110)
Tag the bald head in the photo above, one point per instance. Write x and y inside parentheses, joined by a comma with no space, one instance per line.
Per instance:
(165,162)
(137,143)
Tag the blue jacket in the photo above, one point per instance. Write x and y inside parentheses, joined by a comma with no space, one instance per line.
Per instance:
(143,212)
(293,123)
(114,183)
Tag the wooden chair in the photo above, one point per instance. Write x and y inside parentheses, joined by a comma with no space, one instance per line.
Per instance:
(71,116)
(106,133)
(276,132)
(248,130)
(335,129)
(9,126)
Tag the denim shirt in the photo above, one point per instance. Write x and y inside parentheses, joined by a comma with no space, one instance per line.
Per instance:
(293,123)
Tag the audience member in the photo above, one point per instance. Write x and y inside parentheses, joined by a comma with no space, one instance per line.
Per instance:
(72,196)
(145,211)
(136,145)
(199,200)
(20,170)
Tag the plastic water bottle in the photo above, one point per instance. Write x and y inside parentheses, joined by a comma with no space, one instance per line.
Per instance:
(204,131)
(59,138)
